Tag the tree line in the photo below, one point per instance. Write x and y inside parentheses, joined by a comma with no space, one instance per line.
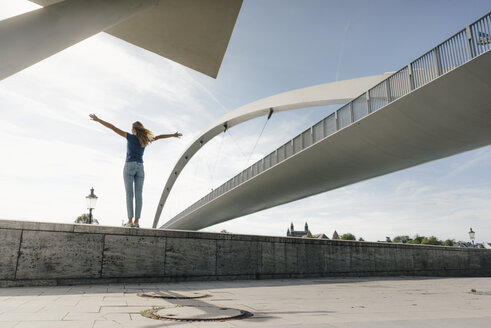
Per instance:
(432,240)
(417,239)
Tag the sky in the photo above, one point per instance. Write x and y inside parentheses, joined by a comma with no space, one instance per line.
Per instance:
(52,154)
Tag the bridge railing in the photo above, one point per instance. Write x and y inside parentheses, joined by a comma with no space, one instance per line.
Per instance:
(469,43)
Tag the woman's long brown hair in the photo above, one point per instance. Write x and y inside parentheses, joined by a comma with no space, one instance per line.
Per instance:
(144,136)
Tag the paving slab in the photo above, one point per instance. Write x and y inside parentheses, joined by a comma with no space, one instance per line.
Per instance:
(55,324)
(287,303)
(35,316)
(9,324)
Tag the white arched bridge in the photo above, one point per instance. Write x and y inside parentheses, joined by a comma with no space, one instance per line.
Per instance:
(437,106)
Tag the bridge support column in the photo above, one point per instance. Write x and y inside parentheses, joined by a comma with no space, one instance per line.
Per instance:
(31,37)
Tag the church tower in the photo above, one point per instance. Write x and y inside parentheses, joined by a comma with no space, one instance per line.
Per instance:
(335,235)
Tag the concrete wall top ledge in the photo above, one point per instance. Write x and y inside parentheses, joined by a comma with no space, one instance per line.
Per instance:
(42,226)
(109,230)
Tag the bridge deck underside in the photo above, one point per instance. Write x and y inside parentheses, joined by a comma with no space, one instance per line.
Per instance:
(448,116)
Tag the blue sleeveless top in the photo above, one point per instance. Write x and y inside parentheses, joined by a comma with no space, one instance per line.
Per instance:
(134,151)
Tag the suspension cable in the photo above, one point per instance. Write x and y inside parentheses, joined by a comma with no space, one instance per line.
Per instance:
(217,156)
(259,137)
(236,144)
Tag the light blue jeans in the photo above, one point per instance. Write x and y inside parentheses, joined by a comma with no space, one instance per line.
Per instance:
(133,175)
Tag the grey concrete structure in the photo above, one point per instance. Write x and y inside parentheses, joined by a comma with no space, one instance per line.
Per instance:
(194,33)
(39,34)
(437,106)
(59,254)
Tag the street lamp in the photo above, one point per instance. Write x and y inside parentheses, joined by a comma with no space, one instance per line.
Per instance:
(472,235)
(91,202)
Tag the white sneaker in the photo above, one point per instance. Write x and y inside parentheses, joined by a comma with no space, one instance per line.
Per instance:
(136,225)
(128,225)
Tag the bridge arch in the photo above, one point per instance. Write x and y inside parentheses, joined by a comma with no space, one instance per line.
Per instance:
(319,95)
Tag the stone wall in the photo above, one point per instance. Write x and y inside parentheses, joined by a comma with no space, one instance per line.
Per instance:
(34,253)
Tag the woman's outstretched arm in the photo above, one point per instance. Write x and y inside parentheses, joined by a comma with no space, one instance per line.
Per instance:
(164,136)
(108,125)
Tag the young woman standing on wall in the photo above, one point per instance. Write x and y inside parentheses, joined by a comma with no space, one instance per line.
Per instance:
(133,172)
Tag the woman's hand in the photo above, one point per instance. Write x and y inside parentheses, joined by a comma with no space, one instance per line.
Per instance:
(108,125)
(177,135)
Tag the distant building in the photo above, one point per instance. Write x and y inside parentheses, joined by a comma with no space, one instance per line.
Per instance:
(304,234)
(466,244)
(320,236)
(335,235)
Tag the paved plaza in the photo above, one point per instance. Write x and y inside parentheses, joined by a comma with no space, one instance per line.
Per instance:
(316,302)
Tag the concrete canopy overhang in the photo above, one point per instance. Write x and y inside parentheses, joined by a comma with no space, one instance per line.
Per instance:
(194,33)
(447,116)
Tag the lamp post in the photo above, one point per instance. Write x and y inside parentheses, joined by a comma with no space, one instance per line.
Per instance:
(472,236)
(91,202)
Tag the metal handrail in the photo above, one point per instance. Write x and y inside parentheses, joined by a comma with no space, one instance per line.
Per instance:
(455,51)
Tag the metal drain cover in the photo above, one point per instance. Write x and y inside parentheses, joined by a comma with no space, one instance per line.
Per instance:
(173,294)
(197,313)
